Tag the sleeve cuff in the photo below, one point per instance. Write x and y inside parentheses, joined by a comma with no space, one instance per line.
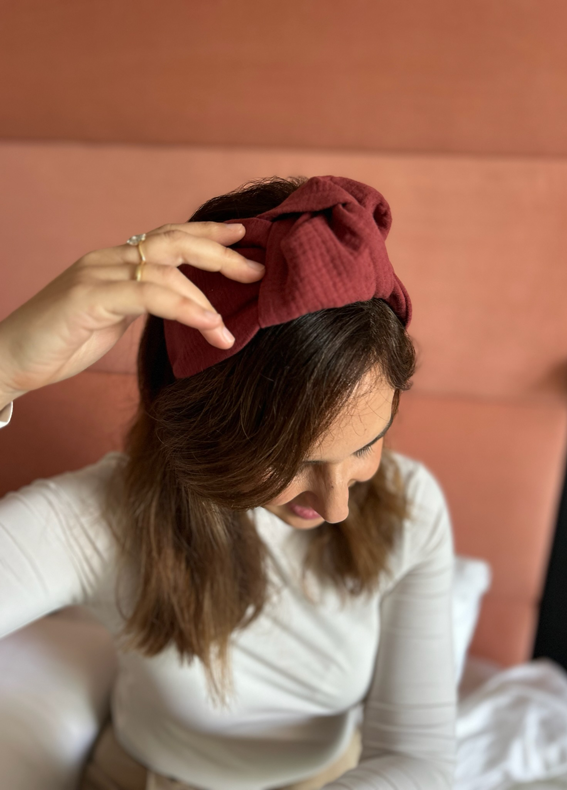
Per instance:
(6,414)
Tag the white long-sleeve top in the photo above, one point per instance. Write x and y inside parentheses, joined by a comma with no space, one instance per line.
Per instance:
(6,414)
(304,673)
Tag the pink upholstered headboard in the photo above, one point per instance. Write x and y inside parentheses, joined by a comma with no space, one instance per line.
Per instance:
(479,243)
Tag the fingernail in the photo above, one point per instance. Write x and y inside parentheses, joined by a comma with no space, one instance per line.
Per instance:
(237,226)
(227,335)
(257,267)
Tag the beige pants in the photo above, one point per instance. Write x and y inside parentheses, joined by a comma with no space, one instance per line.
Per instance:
(112,768)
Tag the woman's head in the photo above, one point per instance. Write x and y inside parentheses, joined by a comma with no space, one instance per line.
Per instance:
(204,450)
(349,453)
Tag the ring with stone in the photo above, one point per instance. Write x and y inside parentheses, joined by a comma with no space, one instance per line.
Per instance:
(136,241)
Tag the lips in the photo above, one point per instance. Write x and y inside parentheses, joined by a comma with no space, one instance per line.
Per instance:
(304,512)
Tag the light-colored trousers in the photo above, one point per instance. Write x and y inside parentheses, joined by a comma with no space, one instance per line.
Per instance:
(110,767)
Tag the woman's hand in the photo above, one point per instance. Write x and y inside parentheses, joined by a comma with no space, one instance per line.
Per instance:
(80,315)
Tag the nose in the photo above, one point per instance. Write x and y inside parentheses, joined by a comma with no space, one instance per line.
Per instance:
(331,488)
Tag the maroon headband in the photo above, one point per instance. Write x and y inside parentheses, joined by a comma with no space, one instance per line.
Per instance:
(322,247)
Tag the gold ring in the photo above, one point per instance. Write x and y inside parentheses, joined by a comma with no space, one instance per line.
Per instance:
(136,241)
(142,262)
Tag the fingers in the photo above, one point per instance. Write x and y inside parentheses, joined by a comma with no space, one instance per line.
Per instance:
(176,246)
(112,300)
(166,276)
(221,232)
(164,290)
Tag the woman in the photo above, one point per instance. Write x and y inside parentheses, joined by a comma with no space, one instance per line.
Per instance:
(277,584)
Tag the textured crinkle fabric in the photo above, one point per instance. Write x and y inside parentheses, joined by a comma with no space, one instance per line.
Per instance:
(323,246)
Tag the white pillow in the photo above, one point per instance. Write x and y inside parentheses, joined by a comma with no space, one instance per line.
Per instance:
(471,580)
(55,680)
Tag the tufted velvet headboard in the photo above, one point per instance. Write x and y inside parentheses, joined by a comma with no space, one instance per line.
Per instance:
(487,412)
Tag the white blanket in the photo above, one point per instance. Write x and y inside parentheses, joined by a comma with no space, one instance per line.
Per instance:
(512,730)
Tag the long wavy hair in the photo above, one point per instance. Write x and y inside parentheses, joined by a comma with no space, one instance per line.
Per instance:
(202,451)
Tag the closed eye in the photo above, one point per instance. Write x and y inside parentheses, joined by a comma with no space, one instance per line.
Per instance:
(359,453)
(364,451)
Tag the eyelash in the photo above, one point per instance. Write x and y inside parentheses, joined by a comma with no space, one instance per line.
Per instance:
(364,451)
(359,453)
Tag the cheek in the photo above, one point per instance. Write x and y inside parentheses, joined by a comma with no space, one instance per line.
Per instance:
(378,453)
(369,466)
(296,487)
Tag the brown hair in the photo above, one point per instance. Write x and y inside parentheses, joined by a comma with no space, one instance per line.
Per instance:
(203,450)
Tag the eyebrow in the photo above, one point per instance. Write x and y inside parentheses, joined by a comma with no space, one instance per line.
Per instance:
(380,436)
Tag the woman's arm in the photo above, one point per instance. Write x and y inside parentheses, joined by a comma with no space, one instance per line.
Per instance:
(47,554)
(54,549)
(38,572)
(408,730)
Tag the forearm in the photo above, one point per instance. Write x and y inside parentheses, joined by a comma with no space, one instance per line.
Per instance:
(408,731)
(395,772)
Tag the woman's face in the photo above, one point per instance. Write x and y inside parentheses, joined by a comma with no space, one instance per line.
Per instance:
(320,490)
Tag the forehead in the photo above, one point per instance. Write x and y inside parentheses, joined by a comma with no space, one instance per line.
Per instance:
(371,402)
(362,419)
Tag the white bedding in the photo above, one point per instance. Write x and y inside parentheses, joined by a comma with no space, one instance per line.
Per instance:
(552,784)
(512,723)
(512,727)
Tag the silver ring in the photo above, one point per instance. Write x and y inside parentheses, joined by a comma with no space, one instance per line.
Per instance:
(136,239)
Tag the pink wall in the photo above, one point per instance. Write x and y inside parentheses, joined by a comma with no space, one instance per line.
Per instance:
(479,77)
(115,119)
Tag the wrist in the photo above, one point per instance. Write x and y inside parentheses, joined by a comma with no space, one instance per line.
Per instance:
(8,395)
(5,400)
